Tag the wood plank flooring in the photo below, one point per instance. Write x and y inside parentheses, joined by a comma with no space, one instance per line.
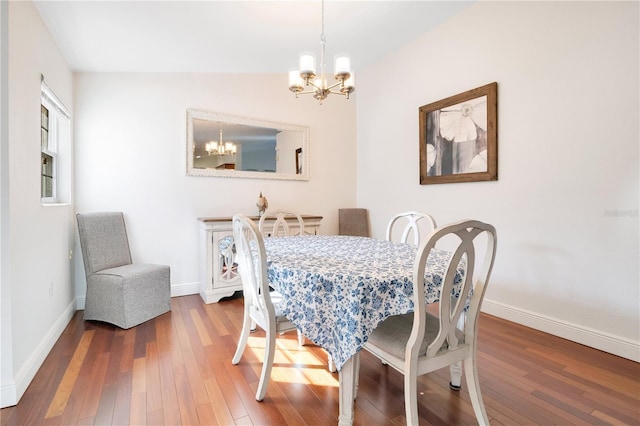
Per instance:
(176,369)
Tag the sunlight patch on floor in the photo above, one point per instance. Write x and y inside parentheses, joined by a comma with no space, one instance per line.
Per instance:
(291,363)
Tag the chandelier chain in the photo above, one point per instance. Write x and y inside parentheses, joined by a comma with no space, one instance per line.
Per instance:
(323,43)
(322,33)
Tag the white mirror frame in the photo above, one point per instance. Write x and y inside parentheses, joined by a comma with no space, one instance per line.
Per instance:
(234,119)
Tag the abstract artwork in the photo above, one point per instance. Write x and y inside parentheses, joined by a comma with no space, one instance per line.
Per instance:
(458,138)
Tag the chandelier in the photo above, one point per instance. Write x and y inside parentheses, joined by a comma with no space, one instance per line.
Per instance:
(317,85)
(220,148)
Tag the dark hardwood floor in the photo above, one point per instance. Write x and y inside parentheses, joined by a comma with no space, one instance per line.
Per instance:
(176,369)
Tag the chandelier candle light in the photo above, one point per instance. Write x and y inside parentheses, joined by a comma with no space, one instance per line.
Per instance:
(220,148)
(305,76)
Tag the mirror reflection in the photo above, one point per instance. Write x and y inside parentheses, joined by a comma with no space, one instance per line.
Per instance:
(232,146)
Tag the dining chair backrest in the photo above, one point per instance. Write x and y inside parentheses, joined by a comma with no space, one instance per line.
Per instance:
(412,226)
(468,297)
(281,227)
(418,343)
(252,265)
(354,222)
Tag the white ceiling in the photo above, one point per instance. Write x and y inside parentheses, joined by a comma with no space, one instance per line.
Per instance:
(232,36)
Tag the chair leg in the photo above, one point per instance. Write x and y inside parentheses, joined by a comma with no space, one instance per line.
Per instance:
(456,369)
(456,376)
(300,338)
(267,364)
(411,395)
(244,336)
(473,383)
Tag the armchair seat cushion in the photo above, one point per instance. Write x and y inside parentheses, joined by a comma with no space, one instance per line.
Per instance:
(128,295)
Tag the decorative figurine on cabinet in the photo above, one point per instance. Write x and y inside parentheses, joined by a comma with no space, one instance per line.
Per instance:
(262,204)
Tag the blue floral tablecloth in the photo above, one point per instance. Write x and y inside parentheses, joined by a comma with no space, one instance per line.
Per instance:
(337,289)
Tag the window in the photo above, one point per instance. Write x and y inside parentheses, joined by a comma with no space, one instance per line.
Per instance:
(55,149)
(48,157)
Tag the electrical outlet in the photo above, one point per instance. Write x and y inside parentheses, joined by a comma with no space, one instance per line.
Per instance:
(51,289)
(70,254)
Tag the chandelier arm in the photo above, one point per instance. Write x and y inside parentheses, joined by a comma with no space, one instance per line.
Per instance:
(311,83)
(307,92)
(336,84)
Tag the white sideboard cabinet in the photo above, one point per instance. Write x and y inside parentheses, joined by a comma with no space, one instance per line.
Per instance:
(219,271)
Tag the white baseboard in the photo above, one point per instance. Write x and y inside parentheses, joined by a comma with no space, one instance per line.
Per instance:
(12,392)
(8,395)
(617,345)
(185,289)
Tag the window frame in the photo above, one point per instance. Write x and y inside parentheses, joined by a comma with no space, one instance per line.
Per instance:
(58,115)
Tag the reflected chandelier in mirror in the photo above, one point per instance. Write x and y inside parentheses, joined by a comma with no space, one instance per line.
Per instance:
(225,145)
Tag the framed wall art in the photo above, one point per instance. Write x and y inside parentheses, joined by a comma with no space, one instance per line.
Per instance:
(459,137)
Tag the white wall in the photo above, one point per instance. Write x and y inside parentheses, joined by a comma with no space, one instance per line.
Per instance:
(7,383)
(130,138)
(38,238)
(566,202)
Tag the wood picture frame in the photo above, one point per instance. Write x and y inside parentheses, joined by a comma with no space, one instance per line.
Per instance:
(459,137)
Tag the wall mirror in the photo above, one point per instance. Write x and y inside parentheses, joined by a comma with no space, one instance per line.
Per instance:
(225,145)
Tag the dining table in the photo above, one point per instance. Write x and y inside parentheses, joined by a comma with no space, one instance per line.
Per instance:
(337,289)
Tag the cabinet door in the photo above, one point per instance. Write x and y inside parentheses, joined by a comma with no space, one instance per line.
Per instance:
(225,268)
(228,268)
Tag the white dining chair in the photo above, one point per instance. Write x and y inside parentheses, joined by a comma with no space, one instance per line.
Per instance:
(281,227)
(418,343)
(260,303)
(412,218)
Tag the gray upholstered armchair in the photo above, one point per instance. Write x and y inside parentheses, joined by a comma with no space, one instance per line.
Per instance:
(118,291)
